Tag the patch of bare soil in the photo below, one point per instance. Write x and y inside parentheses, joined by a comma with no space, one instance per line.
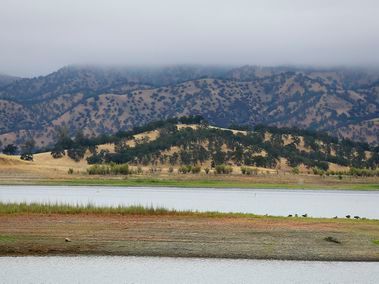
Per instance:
(189,236)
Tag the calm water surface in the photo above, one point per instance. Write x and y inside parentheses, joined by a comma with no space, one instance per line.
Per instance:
(180,270)
(280,202)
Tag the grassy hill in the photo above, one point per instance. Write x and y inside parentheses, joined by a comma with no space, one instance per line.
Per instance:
(190,141)
(170,144)
(189,152)
(344,103)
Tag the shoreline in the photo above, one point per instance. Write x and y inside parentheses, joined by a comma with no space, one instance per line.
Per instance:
(193,257)
(219,182)
(142,231)
(175,256)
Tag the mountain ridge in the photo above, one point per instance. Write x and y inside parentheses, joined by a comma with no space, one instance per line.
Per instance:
(7,79)
(343,102)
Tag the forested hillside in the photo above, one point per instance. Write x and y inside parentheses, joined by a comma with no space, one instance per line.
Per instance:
(342,102)
(190,141)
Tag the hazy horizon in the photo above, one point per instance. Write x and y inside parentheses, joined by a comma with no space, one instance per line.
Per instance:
(369,69)
(42,36)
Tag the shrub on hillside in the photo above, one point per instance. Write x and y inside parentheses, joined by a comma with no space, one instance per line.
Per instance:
(112,169)
(223,169)
(189,169)
(185,169)
(196,169)
(249,171)
(355,172)
(99,170)
(122,169)
(139,170)
(295,170)
(318,171)
(27,157)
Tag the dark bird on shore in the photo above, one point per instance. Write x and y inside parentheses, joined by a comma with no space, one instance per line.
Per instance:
(305,215)
(357,217)
(348,216)
(290,215)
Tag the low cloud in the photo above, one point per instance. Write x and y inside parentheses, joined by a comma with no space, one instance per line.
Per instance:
(40,36)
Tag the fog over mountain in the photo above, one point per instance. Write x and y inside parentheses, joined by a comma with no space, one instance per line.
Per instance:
(188,57)
(38,37)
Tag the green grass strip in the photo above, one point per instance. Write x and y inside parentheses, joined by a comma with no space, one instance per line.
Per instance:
(61,208)
(205,183)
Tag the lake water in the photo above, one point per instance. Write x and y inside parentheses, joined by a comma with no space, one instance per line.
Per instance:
(115,269)
(280,202)
(180,270)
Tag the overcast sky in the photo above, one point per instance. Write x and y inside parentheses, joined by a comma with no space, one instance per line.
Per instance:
(39,36)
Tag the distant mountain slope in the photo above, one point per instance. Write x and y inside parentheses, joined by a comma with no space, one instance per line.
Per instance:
(6,79)
(342,102)
(92,80)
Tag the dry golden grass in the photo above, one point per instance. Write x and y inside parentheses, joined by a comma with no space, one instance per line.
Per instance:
(196,126)
(6,160)
(44,165)
(193,126)
(150,135)
(335,167)
(107,147)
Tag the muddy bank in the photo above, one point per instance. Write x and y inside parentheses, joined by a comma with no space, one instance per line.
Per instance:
(189,236)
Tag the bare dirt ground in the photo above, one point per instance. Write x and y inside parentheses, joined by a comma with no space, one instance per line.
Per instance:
(189,236)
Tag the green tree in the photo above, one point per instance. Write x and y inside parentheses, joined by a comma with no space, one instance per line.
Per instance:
(63,139)
(27,150)
(10,149)
(76,153)
(185,157)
